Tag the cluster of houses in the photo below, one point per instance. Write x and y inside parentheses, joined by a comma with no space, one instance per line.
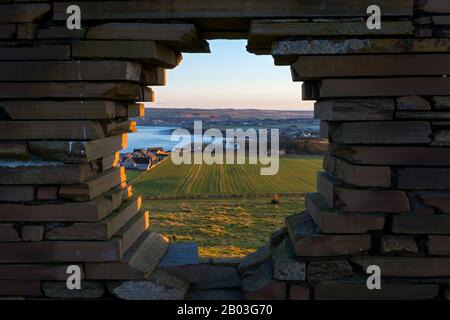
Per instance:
(142,159)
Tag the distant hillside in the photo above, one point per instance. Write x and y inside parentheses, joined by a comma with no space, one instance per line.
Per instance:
(158,116)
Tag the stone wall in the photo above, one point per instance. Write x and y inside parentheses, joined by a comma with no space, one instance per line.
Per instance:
(66,97)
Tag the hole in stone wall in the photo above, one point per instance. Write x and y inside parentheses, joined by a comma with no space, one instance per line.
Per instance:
(229,210)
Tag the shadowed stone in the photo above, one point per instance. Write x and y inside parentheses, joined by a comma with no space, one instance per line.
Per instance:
(413,103)
(329,270)
(181,259)
(285,265)
(59,290)
(254,260)
(160,286)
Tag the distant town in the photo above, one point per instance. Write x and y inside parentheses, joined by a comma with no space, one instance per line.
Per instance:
(299,131)
(292,124)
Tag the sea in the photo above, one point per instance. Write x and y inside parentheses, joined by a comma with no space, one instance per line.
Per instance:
(160,136)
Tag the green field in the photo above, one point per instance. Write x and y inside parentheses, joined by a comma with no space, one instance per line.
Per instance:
(230,226)
(297,174)
(221,227)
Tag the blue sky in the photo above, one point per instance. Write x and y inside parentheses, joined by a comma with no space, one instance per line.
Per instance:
(230,77)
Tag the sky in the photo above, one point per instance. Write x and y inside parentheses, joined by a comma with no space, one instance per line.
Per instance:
(229,77)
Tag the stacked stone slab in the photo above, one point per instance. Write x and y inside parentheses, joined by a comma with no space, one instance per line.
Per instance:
(66,97)
(65,102)
(383,197)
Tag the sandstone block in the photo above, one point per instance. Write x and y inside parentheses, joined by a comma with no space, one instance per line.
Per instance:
(413,103)
(388,201)
(329,270)
(398,244)
(407,267)
(309,242)
(421,224)
(332,222)
(32,233)
(354,110)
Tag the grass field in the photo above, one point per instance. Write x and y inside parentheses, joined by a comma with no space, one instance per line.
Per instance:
(297,174)
(224,227)
(221,227)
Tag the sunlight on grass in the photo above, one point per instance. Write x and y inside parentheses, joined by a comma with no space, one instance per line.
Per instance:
(222,227)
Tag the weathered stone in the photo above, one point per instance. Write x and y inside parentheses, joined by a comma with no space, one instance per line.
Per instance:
(309,242)
(102,230)
(285,265)
(161,286)
(361,176)
(388,132)
(71,71)
(120,91)
(149,52)
(287,51)
(422,115)
(398,155)
(43,52)
(24,12)
(434,6)
(49,272)
(47,193)
(421,224)
(341,66)
(254,260)
(20,288)
(407,267)
(32,233)
(260,285)
(330,221)
(438,245)
(297,292)
(94,187)
(78,151)
(8,232)
(7,31)
(218,277)
(42,173)
(59,290)
(423,178)
(383,87)
(27,31)
(182,260)
(179,9)
(14,150)
(398,244)
(440,201)
(61,32)
(277,237)
(329,270)
(413,103)
(17,193)
(354,110)
(325,185)
(441,103)
(389,201)
(441,138)
(182,37)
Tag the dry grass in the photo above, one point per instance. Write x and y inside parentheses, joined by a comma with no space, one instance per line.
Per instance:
(222,227)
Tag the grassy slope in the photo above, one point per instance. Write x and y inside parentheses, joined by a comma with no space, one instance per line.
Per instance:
(296,175)
(225,227)
(221,227)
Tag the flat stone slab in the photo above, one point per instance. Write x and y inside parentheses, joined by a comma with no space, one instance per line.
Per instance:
(181,259)
(216,277)
(160,286)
